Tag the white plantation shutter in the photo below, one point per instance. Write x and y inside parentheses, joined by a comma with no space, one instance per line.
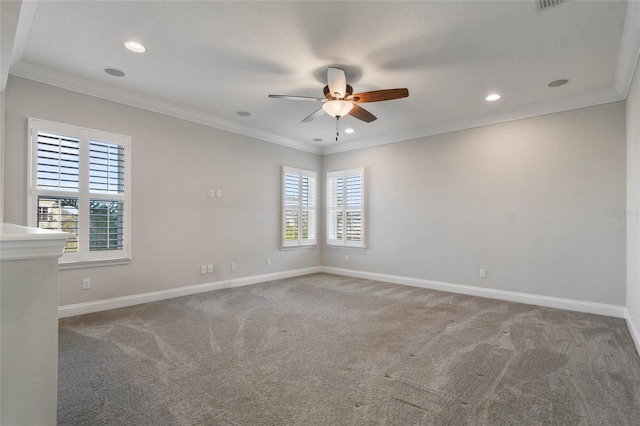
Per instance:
(354,208)
(107,191)
(298,207)
(345,208)
(106,167)
(58,159)
(308,209)
(79,183)
(335,208)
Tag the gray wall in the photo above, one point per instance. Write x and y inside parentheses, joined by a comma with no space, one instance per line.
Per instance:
(526,200)
(633,202)
(176,227)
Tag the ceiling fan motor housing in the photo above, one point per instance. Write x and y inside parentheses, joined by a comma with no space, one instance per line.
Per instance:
(330,96)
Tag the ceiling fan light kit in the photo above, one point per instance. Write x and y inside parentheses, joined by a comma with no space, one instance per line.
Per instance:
(337,108)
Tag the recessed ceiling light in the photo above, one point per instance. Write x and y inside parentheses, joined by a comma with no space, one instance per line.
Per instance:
(558,83)
(243,113)
(114,72)
(134,46)
(349,130)
(317,139)
(492,97)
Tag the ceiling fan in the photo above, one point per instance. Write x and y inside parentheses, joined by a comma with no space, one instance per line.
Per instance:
(339,99)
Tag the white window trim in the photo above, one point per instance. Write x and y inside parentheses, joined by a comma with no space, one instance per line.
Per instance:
(84,257)
(344,243)
(300,242)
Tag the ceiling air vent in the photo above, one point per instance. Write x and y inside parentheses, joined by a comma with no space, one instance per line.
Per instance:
(544,4)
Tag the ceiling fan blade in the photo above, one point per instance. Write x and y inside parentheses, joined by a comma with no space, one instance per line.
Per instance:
(318,113)
(380,95)
(362,114)
(337,82)
(297,98)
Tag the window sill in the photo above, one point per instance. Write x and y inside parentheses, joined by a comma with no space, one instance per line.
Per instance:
(93,263)
(331,246)
(298,247)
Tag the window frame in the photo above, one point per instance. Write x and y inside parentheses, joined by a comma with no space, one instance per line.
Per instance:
(332,207)
(300,242)
(84,256)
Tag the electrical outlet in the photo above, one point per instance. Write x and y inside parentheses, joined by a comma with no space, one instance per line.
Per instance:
(268,262)
(233,266)
(483,273)
(211,193)
(346,259)
(218,193)
(86,284)
(203,269)
(209,269)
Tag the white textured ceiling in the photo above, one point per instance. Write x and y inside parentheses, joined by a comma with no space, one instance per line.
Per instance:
(207,60)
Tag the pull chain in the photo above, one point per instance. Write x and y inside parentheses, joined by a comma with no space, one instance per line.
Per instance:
(337,130)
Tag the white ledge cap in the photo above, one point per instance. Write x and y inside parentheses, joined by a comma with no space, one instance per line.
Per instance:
(23,243)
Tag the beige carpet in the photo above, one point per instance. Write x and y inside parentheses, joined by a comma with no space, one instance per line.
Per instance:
(330,350)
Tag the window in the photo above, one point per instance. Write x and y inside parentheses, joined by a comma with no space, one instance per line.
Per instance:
(298,207)
(80,183)
(345,208)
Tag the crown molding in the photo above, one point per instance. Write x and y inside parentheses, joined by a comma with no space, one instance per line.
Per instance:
(526,111)
(64,80)
(85,86)
(627,61)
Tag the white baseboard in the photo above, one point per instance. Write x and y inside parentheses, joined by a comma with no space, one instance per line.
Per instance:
(136,299)
(633,330)
(530,299)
